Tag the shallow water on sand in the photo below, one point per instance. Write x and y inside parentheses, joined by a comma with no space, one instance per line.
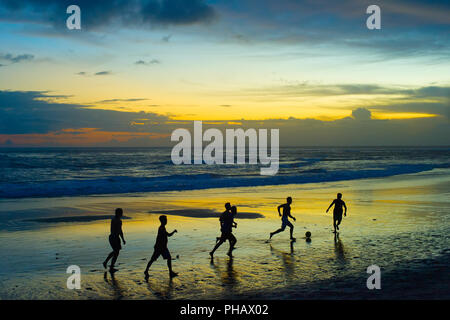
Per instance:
(398,223)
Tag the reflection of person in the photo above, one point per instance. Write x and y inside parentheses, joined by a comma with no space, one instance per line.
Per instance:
(339,249)
(285,218)
(337,211)
(227,224)
(161,248)
(114,239)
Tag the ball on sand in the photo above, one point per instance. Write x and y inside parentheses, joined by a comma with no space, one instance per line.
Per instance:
(308,234)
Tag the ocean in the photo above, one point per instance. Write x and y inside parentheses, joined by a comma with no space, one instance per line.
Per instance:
(55,172)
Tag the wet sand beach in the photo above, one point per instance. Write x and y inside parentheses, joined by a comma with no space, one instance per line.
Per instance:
(399,223)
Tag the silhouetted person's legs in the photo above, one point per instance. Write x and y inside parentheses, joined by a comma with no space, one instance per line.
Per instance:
(149,265)
(278,231)
(218,244)
(114,259)
(114,254)
(169,265)
(233,241)
(337,221)
(283,227)
(105,263)
(166,255)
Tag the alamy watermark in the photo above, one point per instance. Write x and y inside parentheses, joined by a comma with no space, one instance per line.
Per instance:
(74,280)
(213,153)
(74,20)
(374,280)
(374,20)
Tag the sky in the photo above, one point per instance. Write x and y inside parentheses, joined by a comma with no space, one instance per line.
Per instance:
(139,69)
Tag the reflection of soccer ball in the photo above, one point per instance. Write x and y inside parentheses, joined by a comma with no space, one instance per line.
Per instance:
(308,234)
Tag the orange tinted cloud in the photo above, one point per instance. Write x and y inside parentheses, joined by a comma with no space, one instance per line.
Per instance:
(76,137)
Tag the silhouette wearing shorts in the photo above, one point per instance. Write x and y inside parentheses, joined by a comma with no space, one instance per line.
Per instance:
(337,211)
(161,248)
(114,239)
(285,218)
(227,210)
(226,226)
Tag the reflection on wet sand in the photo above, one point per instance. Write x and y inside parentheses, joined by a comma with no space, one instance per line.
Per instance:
(118,291)
(287,259)
(228,276)
(339,250)
(161,292)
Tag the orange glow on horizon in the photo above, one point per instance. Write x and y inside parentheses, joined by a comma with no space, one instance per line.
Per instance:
(76,137)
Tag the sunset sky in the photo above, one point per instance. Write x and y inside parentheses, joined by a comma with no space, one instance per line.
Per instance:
(309,67)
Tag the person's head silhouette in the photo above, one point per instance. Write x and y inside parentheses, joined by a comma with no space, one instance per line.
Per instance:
(289,200)
(339,195)
(119,212)
(163,220)
(227,206)
(233,210)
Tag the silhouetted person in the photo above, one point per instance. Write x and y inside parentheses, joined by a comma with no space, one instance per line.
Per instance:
(226,226)
(114,239)
(227,210)
(161,248)
(285,218)
(337,211)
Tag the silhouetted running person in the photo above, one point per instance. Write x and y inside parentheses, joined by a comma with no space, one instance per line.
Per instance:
(285,218)
(161,248)
(227,210)
(114,239)
(227,224)
(337,211)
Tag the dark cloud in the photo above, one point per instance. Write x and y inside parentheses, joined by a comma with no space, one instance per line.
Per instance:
(102,13)
(177,11)
(311,89)
(16,58)
(361,114)
(166,38)
(100,73)
(408,28)
(122,100)
(29,112)
(103,73)
(147,63)
(433,91)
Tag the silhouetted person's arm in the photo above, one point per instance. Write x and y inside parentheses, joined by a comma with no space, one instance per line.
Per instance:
(279,207)
(292,217)
(121,235)
(345,212)
(330,206)
(172,233)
